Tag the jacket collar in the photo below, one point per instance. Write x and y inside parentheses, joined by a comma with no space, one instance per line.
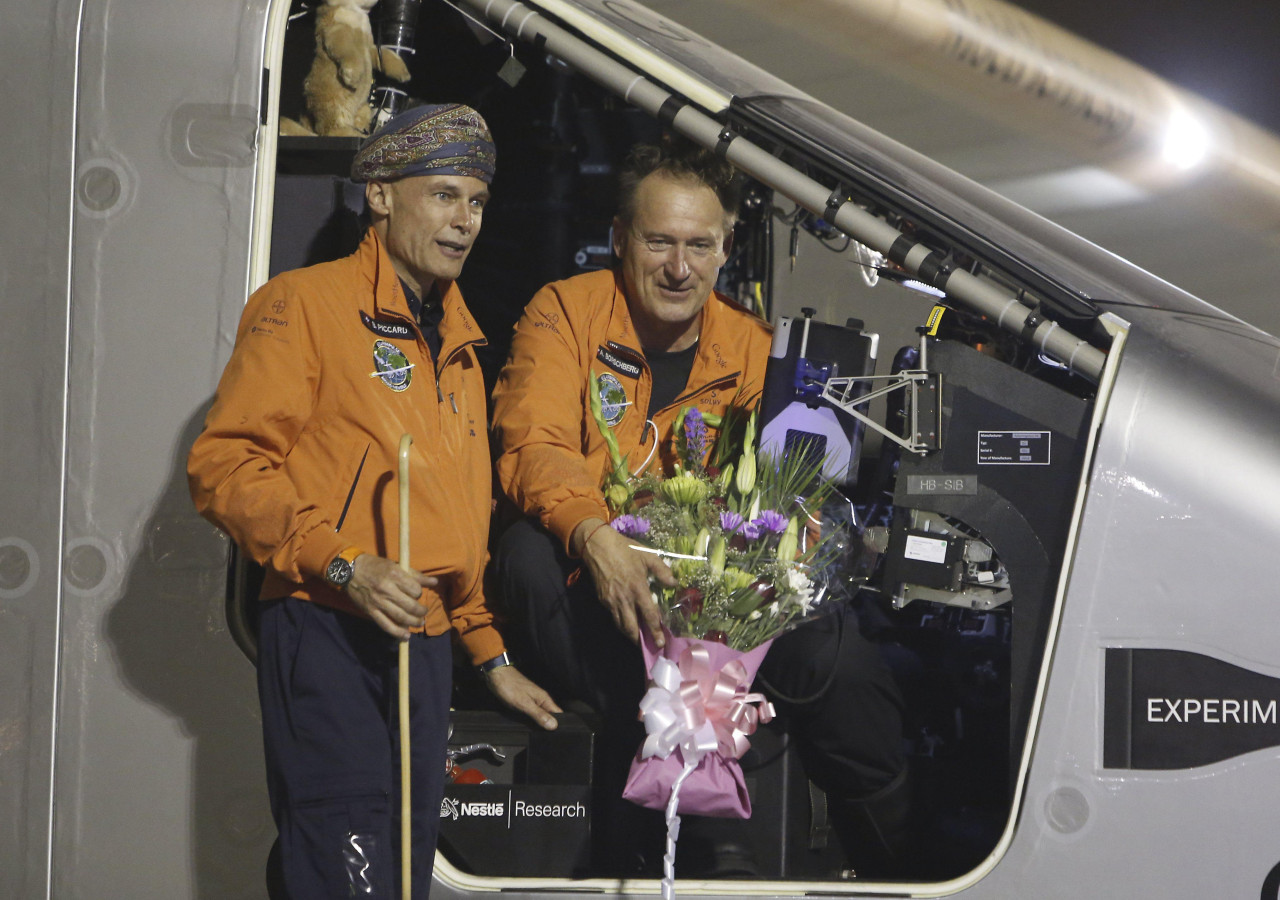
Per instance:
(458,327)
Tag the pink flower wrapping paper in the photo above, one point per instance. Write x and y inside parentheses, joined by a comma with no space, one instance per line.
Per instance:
(699,710)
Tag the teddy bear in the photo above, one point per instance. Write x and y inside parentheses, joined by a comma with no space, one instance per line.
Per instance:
(336,89)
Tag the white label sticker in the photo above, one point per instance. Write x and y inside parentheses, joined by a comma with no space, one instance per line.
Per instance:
(926,549)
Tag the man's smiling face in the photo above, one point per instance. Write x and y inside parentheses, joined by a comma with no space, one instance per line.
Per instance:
(671,255)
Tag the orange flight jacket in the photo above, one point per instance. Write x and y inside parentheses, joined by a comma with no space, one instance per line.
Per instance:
(552,457)
(298,459)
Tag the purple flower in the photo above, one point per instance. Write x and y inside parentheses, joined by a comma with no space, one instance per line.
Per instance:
(771,520)
(730,521)
(631,526)
(753,530)
(695,437)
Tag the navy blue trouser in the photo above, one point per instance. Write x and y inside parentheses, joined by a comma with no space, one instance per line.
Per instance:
(328,685)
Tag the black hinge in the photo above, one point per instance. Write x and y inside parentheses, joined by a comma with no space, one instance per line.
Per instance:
(262,99)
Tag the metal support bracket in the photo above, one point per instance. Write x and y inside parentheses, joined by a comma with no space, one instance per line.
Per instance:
(924,406)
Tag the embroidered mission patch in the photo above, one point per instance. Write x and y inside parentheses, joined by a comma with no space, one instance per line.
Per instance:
(392,365)
(613,398)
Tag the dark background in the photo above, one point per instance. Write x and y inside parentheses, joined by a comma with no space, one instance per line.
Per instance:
(1227,51)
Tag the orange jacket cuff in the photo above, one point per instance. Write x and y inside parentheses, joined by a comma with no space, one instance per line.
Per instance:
(482,644)
(570,514)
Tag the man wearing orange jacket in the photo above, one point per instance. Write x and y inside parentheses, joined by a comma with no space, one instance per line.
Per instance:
(298,464)
(658,337)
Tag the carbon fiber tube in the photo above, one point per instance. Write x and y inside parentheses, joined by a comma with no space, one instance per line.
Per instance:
(976,293)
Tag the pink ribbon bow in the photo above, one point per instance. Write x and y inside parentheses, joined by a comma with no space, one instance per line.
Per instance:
(698,710)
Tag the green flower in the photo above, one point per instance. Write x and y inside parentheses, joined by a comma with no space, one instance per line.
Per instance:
(789,542)
(734,579)
(746,479)
(617,496)
(702,542)
(715,558)
(685,489)
(684,543)
(684,569)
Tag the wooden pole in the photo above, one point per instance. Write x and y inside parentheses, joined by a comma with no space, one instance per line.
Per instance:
(406,803)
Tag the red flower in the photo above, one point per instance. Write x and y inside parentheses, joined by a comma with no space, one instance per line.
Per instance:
(689,599)
(718,637)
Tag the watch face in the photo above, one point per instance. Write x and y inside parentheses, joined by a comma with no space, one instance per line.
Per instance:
(339,572)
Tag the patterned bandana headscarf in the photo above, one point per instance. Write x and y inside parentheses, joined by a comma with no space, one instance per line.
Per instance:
(437,139)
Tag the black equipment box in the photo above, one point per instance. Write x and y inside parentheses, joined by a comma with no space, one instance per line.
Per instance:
(534,817)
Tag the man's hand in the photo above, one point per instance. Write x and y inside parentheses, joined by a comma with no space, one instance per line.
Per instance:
(388,594)
(522,695)
(621,576)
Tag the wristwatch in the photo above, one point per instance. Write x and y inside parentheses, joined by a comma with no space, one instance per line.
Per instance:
(496,663)
(341,568)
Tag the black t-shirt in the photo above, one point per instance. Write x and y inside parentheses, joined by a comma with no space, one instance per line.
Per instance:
(670,375)
(427,315)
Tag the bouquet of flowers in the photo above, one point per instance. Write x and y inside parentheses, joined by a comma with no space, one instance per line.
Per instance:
(738,529)
(731,530)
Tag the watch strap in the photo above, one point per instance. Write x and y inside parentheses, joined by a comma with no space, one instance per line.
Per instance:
(502,659)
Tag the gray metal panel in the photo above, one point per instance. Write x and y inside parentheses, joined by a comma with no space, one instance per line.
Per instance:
(34,235)
(1177,550)
(158,776)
